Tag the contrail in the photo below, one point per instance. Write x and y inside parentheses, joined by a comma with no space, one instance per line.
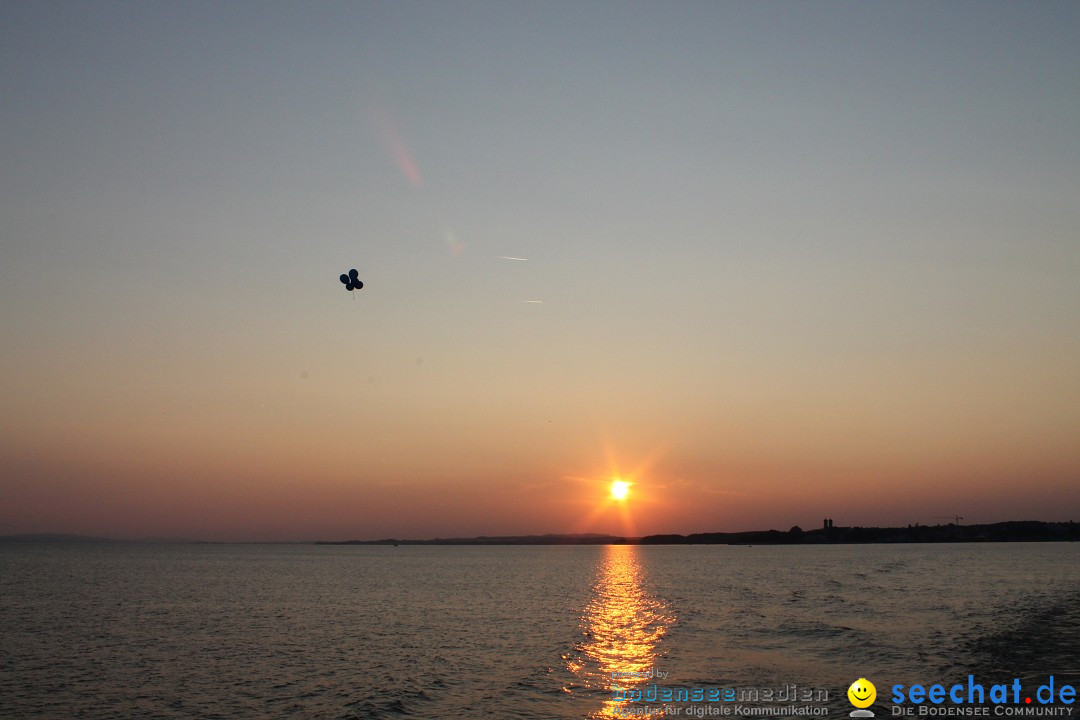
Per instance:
(538,302)
(507,257)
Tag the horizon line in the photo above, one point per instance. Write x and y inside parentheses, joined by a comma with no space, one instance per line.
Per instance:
(60,537)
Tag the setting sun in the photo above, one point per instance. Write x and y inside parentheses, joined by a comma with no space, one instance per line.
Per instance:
(619,489)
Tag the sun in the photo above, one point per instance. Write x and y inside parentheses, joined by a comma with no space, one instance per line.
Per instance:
(620,489)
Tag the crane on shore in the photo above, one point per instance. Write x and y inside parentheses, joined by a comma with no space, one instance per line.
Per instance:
(955,518)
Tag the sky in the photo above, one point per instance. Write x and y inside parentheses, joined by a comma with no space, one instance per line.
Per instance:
(770,262)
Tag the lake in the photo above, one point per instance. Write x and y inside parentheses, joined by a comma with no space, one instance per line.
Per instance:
(305,631)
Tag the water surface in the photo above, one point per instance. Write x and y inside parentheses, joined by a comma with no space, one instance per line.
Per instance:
(303,631)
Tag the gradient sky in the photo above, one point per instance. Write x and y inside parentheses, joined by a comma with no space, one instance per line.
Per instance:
(796,260)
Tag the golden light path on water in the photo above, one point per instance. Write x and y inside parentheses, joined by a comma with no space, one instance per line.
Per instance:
(623,625)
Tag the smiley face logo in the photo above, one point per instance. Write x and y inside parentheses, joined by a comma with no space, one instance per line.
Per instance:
(862,693)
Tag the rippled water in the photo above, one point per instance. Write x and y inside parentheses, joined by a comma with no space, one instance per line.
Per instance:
(299,631)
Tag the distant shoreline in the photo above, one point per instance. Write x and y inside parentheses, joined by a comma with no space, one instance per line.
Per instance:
(1009,531)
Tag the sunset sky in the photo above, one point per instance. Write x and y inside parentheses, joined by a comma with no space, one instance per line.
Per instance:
(794,260)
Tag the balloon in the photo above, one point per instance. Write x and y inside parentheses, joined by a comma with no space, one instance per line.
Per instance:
(352,280)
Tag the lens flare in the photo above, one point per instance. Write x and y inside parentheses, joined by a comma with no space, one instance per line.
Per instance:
(395,145)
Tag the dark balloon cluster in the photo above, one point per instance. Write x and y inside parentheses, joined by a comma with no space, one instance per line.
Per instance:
(352,280)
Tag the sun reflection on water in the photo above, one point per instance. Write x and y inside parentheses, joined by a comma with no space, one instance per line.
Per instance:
(623,625)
